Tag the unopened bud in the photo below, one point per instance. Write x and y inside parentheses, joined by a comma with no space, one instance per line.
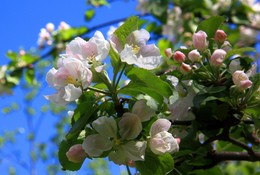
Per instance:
(185,68)
(200,40)
(217,57)
(168,52)
(50,27)
(179,56)
(241,80)
(76,154)
(194,56)
(220,36)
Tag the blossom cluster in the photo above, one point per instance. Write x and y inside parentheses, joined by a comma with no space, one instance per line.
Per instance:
(120,138)
(46,34)
(211,68)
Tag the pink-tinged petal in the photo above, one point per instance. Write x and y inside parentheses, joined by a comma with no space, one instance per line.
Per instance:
(138,37)
(116,44)
(159,126)
(76,154)
(130,126)
(163,142)
(50,77)
(105,126)
(102,45)
(72,93)
(94,145)
(143,111)
(57,98)
(75,48)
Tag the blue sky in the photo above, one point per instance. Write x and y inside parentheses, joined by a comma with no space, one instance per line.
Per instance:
(21,22)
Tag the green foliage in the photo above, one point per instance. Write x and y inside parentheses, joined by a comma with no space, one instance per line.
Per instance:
(155,164)
(124,30)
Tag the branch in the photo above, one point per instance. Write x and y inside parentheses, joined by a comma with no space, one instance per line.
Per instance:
(218,157)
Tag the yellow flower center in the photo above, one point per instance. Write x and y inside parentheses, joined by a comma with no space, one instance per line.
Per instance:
(71,80)
(136,49)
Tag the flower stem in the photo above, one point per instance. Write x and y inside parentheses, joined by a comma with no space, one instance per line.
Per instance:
(120,75)
(128,170)
(99,90)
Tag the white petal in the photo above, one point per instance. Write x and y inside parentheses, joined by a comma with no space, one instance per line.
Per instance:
(75,48)
(130,126)
(127,55)
(71,92)
(103,46)
(138,37)
(143,111)
(50,77)
(159,126)
(57,98)
(105,126)
(94,145)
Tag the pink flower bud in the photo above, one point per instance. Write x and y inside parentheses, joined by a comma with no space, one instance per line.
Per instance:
(178,140)
(50,27)
(168,52)
(185,68)
(241,80)
(200,40)
(220,36)
(179,56)
(76,154)
(217,57)
(194,56)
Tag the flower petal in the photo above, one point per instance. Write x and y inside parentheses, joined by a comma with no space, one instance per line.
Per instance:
(72,93)
(94,145)
(130,126)
(159,126)
(105,126)
(143,111)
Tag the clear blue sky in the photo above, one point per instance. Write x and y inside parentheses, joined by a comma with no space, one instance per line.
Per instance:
(21,22)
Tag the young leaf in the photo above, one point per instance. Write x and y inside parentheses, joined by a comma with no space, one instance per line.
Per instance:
(89,14)
(211,25)
(130,25)
(150,80)
(155,164)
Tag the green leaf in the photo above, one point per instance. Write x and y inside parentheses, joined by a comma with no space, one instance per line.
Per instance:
(65,163)
(85,110)
(155,164)
(28,58)
(29,76)
(239,51)
(150,80)
(68,34)
(130,25)
(211,25)
(115,60)
(135,89)
(89,14)
(12,55)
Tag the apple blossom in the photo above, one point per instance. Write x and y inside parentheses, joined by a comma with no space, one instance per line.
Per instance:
(137,52)
(161,141)
(106,139)
(194,56)
(200,40)
(241,80)
(96,48)
(76,154)
(50,27)
(217,57)
(179,56)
